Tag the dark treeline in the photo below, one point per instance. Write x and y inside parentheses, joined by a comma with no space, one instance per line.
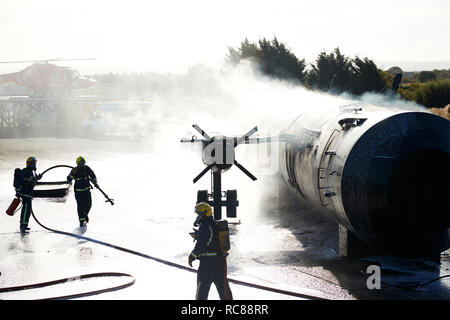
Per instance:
(336,73)
(428,88)
(333,72)
(423,76)
(272,57)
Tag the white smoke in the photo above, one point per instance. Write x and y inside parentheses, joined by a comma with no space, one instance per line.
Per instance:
(230,101)
(390,100)
(233,100)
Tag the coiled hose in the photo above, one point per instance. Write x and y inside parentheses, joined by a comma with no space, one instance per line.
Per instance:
(117,274)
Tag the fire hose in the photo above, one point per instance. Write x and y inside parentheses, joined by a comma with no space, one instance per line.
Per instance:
(116,274)
(96,185)
(175,265)
(71,279)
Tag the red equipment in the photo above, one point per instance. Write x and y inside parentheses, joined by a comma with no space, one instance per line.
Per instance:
(13,206)
(46,79)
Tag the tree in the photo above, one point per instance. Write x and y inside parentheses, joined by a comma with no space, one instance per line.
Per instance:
(272,57)
(278,61)
(435,94)
(442,74)
(332,72)
(247,50)
(366,76)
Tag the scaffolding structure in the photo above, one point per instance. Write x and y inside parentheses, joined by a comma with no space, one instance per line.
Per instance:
(22,116)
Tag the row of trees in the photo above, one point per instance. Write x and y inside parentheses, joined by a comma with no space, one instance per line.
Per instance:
(333,72)
(433,94)
(425,76)
(272,57)
(336,73)
(428,88)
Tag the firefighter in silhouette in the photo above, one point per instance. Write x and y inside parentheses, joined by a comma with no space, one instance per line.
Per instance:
(82,174)
(24,184)
(212,266)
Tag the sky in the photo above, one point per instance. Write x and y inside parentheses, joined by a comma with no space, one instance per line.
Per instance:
(172,35)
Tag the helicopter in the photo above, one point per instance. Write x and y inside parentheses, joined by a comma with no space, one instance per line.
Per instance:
(45,79)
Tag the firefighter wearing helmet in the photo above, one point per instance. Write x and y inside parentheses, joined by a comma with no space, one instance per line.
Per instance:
(212,266)
(24,185)
(82,174)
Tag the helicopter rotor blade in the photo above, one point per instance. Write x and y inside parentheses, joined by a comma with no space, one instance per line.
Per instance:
(59,59)
(201,174)
(24,61)
(203,133)
(245,136)
(45,60)
(244,170)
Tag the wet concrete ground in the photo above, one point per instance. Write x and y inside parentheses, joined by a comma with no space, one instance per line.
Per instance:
(280,242)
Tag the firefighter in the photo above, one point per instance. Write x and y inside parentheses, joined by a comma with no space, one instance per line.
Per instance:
(212,266)
(82,174)
(25,187)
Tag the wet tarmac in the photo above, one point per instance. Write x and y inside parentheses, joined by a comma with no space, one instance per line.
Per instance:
(280,242)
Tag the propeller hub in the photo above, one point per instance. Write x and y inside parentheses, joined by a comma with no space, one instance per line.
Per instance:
(219,152)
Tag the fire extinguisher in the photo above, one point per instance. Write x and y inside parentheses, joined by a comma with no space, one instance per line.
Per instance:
(13,206)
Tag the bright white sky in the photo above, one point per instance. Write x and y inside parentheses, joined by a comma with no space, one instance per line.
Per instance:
(171,35)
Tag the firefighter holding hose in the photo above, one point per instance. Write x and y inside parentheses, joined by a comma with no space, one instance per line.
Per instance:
(212,266)
(82,174)
(24,182)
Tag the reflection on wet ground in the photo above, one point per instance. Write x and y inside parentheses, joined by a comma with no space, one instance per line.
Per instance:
(279,242)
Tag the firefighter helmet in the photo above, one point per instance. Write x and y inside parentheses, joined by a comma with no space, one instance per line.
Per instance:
(30,160)
(203,208)
(80,160)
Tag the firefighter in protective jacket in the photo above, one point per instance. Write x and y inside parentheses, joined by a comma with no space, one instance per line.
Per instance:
(24,189)
(212,266)
(82,174)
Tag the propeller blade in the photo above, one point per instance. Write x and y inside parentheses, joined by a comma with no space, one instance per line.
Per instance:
(262,140)
(46,60)
(203,133)
(202,173)
(23,61)
(245,136)
(244,170)
(77,59)
(191,140)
